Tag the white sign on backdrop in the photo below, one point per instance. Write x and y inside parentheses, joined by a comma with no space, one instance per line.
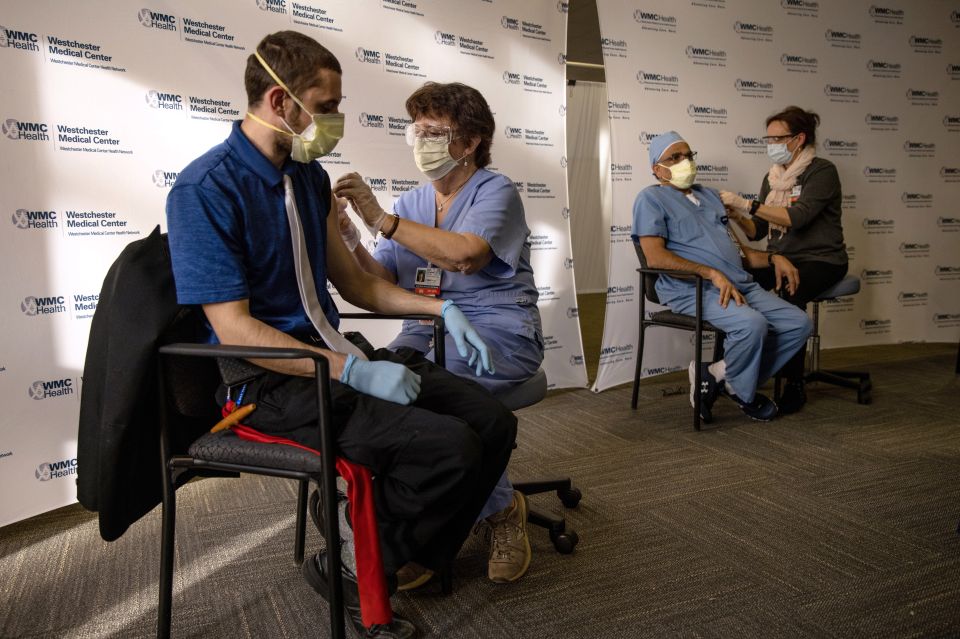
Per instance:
(104,102)
(883,78)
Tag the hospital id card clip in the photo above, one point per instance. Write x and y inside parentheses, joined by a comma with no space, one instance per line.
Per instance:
(427,281)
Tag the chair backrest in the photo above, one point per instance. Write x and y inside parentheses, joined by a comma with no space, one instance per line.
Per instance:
(190,385)
(649,279)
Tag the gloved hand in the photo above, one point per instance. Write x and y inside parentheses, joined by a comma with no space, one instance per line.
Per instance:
(348,230)
(385,380)
(352,187)
(465,334)
(734,201)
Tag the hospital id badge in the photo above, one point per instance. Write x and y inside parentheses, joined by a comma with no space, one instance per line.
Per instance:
(795,194)
(427,281)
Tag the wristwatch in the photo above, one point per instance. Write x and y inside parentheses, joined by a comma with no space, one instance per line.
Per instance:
(754,206)
(770,257)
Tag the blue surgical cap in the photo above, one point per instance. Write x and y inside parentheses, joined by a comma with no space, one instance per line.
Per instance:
(661,143)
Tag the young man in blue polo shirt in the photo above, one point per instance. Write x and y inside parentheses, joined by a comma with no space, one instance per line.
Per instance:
(683,226)
(253,243)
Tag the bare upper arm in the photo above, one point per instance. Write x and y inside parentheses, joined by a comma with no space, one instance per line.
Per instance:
(652,245)
(478,253)
(342,268)
(225,318)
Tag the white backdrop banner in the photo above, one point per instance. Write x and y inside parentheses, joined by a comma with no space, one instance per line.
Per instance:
(104,102)
(885,79)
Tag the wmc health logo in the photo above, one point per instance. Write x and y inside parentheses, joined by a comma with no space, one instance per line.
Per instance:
(274,6)
(155,20)
(32,306)
(13,39)
(48,389)
(15,129)
(24,219)
(160,100)
(164,179)
(55,470)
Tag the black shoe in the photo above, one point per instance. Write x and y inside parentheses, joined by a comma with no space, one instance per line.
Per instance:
(316,512)
(313,573)
(793,398)
(761,408)
(709,390)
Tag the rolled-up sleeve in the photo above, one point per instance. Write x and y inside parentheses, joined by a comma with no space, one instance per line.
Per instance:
(497,215)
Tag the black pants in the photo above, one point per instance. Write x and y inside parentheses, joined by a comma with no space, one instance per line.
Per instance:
(815,278)
(434,462)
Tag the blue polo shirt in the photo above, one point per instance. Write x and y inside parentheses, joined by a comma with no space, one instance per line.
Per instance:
(696,233)
(230,239)
(500,300)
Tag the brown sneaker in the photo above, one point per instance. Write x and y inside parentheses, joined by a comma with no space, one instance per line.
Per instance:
(509,546)
(412,575)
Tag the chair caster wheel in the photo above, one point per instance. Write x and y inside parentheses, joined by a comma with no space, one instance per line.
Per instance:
(569,497)
(564,542)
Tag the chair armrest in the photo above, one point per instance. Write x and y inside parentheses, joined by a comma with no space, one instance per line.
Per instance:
(229,350)
(439,350)
(684,275)
(385,316)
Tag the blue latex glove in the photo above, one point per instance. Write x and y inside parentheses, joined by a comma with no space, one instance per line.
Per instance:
(465,335)
(385,380)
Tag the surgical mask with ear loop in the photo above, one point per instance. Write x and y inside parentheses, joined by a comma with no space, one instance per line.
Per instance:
(321,135)
(433,157)
(779,153)
(682,174)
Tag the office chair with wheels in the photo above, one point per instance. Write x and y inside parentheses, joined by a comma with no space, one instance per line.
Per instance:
(856,380)
(521,396)
(696,323)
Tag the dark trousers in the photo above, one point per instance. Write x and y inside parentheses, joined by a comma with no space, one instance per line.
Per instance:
(815,278)
(434,462)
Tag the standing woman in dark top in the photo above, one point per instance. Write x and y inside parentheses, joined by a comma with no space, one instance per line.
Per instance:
(798,210)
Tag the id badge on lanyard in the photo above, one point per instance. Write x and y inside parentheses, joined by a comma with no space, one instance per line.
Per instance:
(427,281)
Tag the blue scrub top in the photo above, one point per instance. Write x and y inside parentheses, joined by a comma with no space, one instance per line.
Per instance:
(230,238)
(696,233)
(500,300)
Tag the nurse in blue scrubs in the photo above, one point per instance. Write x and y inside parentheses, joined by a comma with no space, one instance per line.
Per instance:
(462,236)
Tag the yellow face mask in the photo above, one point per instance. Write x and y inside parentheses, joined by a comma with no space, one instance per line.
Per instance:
(682,174)
(318,139)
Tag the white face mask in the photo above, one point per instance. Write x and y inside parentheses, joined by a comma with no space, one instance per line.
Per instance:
(433,157)
(318,139)
(682,174)
(779,153)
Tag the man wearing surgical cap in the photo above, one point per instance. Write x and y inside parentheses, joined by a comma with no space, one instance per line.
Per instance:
(682,226)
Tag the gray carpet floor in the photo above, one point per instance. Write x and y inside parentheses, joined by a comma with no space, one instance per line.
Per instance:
(839,521)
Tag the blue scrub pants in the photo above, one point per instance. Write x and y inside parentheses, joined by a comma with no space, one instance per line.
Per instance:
(513,364)
(761,336)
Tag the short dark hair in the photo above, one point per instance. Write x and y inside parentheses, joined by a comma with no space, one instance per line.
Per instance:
(294,57)
(798,121)
(466,108)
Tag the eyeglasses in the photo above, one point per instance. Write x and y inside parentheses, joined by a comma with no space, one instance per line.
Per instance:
(777,139)
(676,157)
(434,134)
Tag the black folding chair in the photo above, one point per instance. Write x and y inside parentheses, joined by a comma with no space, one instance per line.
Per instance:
(696,323)
(188,376)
